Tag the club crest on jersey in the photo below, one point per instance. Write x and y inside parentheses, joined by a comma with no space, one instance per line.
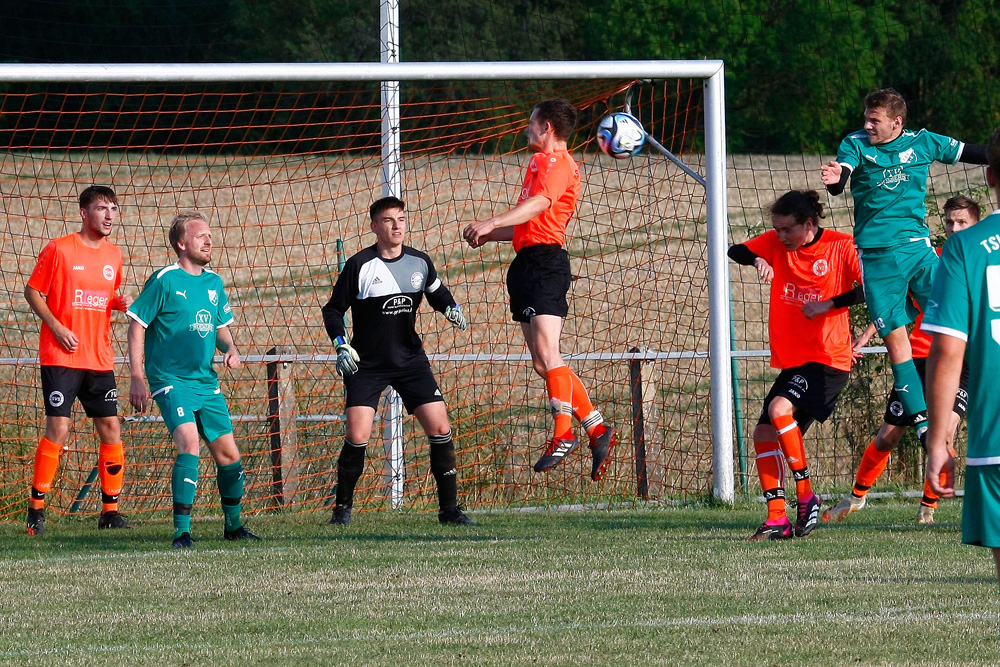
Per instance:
(109,272)
(417,280)
(213,296)
(821,267)
(896,408)
(56,399)
(111,396)
(907,156)
(202,323)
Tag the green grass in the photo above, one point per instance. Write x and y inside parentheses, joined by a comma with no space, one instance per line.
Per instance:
(652,586)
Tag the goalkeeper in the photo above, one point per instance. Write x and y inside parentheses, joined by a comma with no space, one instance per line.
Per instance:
(383,286)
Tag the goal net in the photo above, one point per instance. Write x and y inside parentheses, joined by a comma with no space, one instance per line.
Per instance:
(285,171)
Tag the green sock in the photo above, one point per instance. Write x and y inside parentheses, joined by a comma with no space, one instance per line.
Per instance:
(908,388)
(230,479)
(184,484)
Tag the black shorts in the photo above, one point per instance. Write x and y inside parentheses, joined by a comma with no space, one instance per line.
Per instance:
(95,389)
(537,281)
(896,416)
(813,389)
(415,385)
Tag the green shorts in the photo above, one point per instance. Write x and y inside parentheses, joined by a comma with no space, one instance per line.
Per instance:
(181,404)
(981,506)
(895,276)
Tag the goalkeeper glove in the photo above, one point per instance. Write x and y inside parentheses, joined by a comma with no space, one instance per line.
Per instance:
(347,357)
(455,316)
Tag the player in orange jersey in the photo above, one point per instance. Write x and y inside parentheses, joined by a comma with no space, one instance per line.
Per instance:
(73,289)
(539,277)
(959,213)
(812,272)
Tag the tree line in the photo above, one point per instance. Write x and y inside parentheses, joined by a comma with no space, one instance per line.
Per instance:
(796,70)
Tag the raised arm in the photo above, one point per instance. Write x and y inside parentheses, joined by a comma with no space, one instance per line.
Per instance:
(501,227)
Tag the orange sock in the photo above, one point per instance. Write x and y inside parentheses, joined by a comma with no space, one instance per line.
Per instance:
(873,463)
(111,468)
(559,382)
(583,409)
(771,470)
(790,438)
(46,463)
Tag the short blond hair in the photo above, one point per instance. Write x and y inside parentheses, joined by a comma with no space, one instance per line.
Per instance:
(178,226)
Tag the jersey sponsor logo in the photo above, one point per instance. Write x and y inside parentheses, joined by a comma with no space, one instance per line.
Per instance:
(417,280)
(213,297)
(109,272)
(891,178)
(56,399)
(795,295)
(907,156)
(227,309)
(202,323)
(183,294)
(396,305)
(821,267)
(79,267)
(896,408)
(91,300)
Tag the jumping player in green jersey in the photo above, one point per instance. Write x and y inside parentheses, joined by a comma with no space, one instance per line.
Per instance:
(963,314)
(179,320)
(888,166)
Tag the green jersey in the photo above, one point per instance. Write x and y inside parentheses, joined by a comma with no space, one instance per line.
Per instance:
(181,314)
(965,303)
(889,184)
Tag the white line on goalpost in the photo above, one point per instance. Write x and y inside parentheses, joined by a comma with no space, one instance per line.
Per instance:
(711,71)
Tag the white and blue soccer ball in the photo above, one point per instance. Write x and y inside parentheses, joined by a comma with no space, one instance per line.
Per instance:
(620,135)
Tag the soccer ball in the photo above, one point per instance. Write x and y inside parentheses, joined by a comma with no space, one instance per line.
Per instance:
(620,135)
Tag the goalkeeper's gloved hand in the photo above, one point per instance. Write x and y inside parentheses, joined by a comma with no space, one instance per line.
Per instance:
(455,316)
(347,357)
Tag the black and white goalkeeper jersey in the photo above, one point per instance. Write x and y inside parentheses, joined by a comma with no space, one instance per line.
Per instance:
(383,296)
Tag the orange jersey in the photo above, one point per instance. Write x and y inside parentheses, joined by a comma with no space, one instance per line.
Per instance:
(79,284)
(556,177)
(920,341)
(816,272)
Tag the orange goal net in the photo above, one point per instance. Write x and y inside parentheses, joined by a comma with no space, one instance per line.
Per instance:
(286,173)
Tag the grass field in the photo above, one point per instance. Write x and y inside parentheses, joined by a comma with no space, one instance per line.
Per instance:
(654,586)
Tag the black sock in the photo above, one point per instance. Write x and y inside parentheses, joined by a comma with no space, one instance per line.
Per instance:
(350,465)
(443,469)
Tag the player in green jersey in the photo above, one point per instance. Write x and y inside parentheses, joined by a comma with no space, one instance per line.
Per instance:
(963,314)
(888,166)
(179,320)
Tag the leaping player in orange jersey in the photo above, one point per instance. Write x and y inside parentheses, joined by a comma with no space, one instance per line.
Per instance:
(539,277)
(959,213)
(812,272)
(73,289)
